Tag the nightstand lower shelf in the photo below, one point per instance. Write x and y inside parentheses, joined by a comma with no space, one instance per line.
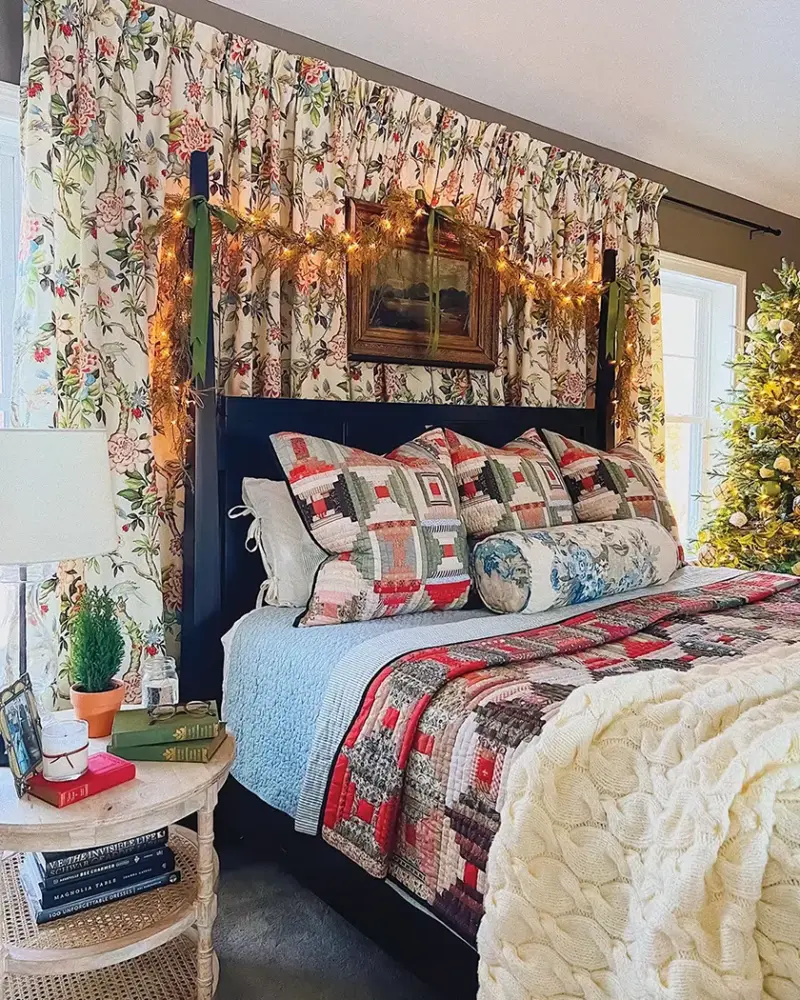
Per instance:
(167,973)
(102,936)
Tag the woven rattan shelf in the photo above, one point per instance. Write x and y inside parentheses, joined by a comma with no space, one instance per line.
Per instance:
(96,938)
(156,945)
(168,973)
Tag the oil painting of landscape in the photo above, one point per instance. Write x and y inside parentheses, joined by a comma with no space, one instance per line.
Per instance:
(389,300)
(399,293)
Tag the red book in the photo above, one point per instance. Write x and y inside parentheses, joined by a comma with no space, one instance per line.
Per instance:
(105,770)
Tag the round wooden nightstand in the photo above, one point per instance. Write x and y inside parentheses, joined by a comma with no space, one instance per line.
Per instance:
(156,946)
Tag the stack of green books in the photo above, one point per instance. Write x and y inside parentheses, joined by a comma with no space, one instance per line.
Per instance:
(183,737)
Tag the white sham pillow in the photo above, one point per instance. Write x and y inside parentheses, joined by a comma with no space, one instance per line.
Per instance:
(290,555)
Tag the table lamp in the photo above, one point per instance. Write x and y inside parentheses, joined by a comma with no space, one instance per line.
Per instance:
(56,503)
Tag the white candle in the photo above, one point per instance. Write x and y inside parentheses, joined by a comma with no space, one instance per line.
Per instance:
(65,749)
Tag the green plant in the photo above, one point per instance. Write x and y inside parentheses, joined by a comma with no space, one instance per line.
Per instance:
(96,642)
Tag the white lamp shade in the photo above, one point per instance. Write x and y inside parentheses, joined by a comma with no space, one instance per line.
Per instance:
(56,500)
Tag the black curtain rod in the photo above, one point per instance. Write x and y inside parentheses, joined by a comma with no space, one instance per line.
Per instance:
(754,227)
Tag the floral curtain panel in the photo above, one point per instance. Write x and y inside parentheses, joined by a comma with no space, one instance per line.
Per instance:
(117,95)
(306,136)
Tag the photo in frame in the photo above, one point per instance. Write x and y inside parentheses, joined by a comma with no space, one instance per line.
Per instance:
(21,729)
(389,302)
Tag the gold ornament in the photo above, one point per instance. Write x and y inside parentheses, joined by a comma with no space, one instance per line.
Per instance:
(782,463)
(765,472)
(796,569)
(771,489)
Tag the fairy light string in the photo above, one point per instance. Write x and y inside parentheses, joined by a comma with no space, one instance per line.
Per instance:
(561,306)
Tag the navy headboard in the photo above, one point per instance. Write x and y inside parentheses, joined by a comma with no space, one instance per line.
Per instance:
(231,441)
(226,576)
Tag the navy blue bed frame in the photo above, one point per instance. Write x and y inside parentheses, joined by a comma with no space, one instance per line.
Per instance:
(221,580)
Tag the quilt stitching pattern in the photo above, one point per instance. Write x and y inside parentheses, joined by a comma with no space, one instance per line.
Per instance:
(503,489)
(611,485)
(390,524)
(416,789)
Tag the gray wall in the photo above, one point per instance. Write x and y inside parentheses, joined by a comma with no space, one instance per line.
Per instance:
(682,230)
(10,40)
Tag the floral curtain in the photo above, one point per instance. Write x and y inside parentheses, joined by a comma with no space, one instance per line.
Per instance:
(116,96)
(305,136)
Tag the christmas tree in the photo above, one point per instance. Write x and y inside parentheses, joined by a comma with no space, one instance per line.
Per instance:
(755,523)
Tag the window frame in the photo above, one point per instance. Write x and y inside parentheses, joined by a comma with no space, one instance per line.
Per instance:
(702,458)
(9,145)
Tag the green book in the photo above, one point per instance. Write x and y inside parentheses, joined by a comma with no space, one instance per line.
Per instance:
(135,728)
(192,752)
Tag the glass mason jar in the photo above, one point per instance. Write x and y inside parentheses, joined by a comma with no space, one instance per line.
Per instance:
(159,681)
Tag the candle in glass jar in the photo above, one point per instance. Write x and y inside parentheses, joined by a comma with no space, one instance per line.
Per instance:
(65,749)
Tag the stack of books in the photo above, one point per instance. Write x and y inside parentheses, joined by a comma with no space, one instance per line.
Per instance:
(60,883)
(183,737)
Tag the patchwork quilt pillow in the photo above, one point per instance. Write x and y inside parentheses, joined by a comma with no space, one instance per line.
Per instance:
(501,489)
(612,485)
(532,571)
(390,525)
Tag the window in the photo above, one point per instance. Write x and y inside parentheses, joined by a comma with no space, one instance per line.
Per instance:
(10,202)
(702,314)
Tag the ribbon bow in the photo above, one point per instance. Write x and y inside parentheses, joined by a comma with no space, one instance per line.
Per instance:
(66,755)
(435,217)
(197,214)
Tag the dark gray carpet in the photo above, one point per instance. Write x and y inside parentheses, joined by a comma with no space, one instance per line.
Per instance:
(276,939)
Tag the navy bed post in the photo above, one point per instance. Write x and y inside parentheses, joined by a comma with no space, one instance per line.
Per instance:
(201,651)
(604,386)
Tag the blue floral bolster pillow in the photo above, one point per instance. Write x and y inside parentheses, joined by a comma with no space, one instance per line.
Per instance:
(530,571)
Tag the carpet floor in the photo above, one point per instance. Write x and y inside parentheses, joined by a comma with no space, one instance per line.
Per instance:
(276,939)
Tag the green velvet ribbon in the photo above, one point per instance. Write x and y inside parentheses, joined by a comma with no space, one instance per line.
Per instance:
(435,217)
(615,325)
(197,215)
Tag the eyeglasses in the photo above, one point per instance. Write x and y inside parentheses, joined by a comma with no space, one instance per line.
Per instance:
(196,709)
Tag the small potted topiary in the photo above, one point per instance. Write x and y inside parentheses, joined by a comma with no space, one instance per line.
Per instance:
(95,657)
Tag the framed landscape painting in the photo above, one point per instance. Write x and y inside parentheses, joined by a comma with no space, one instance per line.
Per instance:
(389,303)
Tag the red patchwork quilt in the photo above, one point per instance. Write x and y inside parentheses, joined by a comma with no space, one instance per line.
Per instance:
(417,786)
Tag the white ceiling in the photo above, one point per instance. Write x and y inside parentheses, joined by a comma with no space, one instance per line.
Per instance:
(706,88)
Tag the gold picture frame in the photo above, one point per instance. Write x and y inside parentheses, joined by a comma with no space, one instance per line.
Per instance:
(21,729)
(388,302)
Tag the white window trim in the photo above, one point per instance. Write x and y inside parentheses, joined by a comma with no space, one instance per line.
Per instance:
(715,272)
(9,100)
(9,125)
(692,268)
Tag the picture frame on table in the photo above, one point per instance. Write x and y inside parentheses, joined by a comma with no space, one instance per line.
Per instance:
(21,729)
(389,301)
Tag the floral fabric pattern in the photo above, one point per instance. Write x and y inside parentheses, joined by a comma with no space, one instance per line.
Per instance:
(116,97)
(531,571)
(517,486)
(390,525)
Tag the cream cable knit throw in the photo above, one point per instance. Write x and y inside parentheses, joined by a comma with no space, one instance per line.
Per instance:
(650,842)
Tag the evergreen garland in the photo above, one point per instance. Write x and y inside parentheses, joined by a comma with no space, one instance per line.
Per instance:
(756,521)
(97,644)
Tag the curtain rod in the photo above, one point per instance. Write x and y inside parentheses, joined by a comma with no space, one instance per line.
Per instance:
(754,227)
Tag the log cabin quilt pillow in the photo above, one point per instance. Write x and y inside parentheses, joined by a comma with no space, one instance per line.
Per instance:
(513,488)
(612,485)
(390,525)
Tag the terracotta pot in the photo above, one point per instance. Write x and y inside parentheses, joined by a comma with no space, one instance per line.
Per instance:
(98,708)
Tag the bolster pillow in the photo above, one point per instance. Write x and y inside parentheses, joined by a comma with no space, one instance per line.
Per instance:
(533,570)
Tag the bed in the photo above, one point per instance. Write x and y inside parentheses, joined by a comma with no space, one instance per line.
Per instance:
(372,756)
(221,581)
